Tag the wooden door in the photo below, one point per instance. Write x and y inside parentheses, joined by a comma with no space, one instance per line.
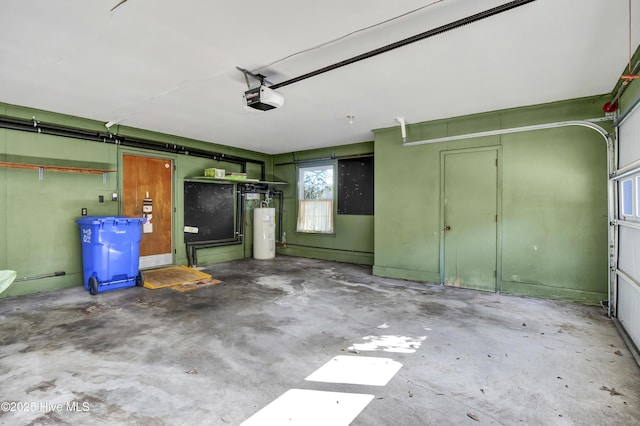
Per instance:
(470,215)
(149,181)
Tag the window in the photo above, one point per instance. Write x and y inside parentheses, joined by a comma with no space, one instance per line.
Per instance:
(627,197)
(638,196)
(315,199)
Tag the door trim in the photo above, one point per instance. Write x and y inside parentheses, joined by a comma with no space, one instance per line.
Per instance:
(443,154)
(169,258)
(156,260)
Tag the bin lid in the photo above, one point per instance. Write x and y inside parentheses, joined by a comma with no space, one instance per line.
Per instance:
(97,220)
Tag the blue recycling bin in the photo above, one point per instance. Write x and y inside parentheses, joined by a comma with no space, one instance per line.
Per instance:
(110,252)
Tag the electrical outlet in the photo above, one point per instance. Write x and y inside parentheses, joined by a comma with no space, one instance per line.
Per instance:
(84,211)
(114,196)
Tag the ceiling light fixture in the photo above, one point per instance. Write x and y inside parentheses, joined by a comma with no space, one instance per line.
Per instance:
(351,117)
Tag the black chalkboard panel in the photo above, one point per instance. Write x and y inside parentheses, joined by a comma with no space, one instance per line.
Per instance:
(355,186)
(210,208)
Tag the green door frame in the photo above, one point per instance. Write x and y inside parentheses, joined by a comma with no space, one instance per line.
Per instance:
(443,153)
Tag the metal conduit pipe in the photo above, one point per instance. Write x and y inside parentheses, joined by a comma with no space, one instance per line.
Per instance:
(584,123)
(334,157)
(192,254)
(93,136)
(591,124)
(39,277)
(280,215)
(624,86)
(442,29)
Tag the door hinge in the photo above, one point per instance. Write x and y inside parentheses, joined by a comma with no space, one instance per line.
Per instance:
(495,274)
(496,162)
(496,218)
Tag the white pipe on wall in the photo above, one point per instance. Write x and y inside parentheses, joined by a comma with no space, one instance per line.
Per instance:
(403,128)
(584,123)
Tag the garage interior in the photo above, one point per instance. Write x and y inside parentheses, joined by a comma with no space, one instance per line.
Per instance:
(453,197)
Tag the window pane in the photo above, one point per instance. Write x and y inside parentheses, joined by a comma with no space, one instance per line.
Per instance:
(627,198)
(316,183)
(315,195)
(638,196)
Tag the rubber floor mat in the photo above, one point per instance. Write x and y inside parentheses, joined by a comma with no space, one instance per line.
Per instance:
(172,276)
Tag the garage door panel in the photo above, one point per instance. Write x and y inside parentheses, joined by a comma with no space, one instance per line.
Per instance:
(628,137)
(629,241)
(629,308)
(627,302)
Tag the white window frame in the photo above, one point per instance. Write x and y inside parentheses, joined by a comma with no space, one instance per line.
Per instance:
(637,195)
(623,198)
(322,208)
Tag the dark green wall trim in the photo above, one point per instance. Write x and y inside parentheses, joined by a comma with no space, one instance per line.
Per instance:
(407,274)
(335,249)
(361,258)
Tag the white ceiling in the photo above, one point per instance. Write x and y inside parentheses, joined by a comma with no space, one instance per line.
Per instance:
(170,66)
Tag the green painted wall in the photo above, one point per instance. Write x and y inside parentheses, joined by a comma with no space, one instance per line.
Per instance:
(38,232)
(352,240)
(554,201)
(553,216)
(38,227)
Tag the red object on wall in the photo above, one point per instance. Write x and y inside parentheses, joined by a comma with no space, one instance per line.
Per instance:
(608,107)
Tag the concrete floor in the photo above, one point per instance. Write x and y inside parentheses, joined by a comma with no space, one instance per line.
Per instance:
(220,354)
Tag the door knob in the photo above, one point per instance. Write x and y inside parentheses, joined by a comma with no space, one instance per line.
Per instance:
(447,228)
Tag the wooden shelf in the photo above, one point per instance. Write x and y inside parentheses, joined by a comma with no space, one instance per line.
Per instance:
(53,165)
(238,181)
(54,168)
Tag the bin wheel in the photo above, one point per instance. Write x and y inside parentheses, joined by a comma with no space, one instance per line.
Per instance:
(140,279)
(93,286)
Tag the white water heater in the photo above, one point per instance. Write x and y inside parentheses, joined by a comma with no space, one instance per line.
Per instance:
(264,233)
